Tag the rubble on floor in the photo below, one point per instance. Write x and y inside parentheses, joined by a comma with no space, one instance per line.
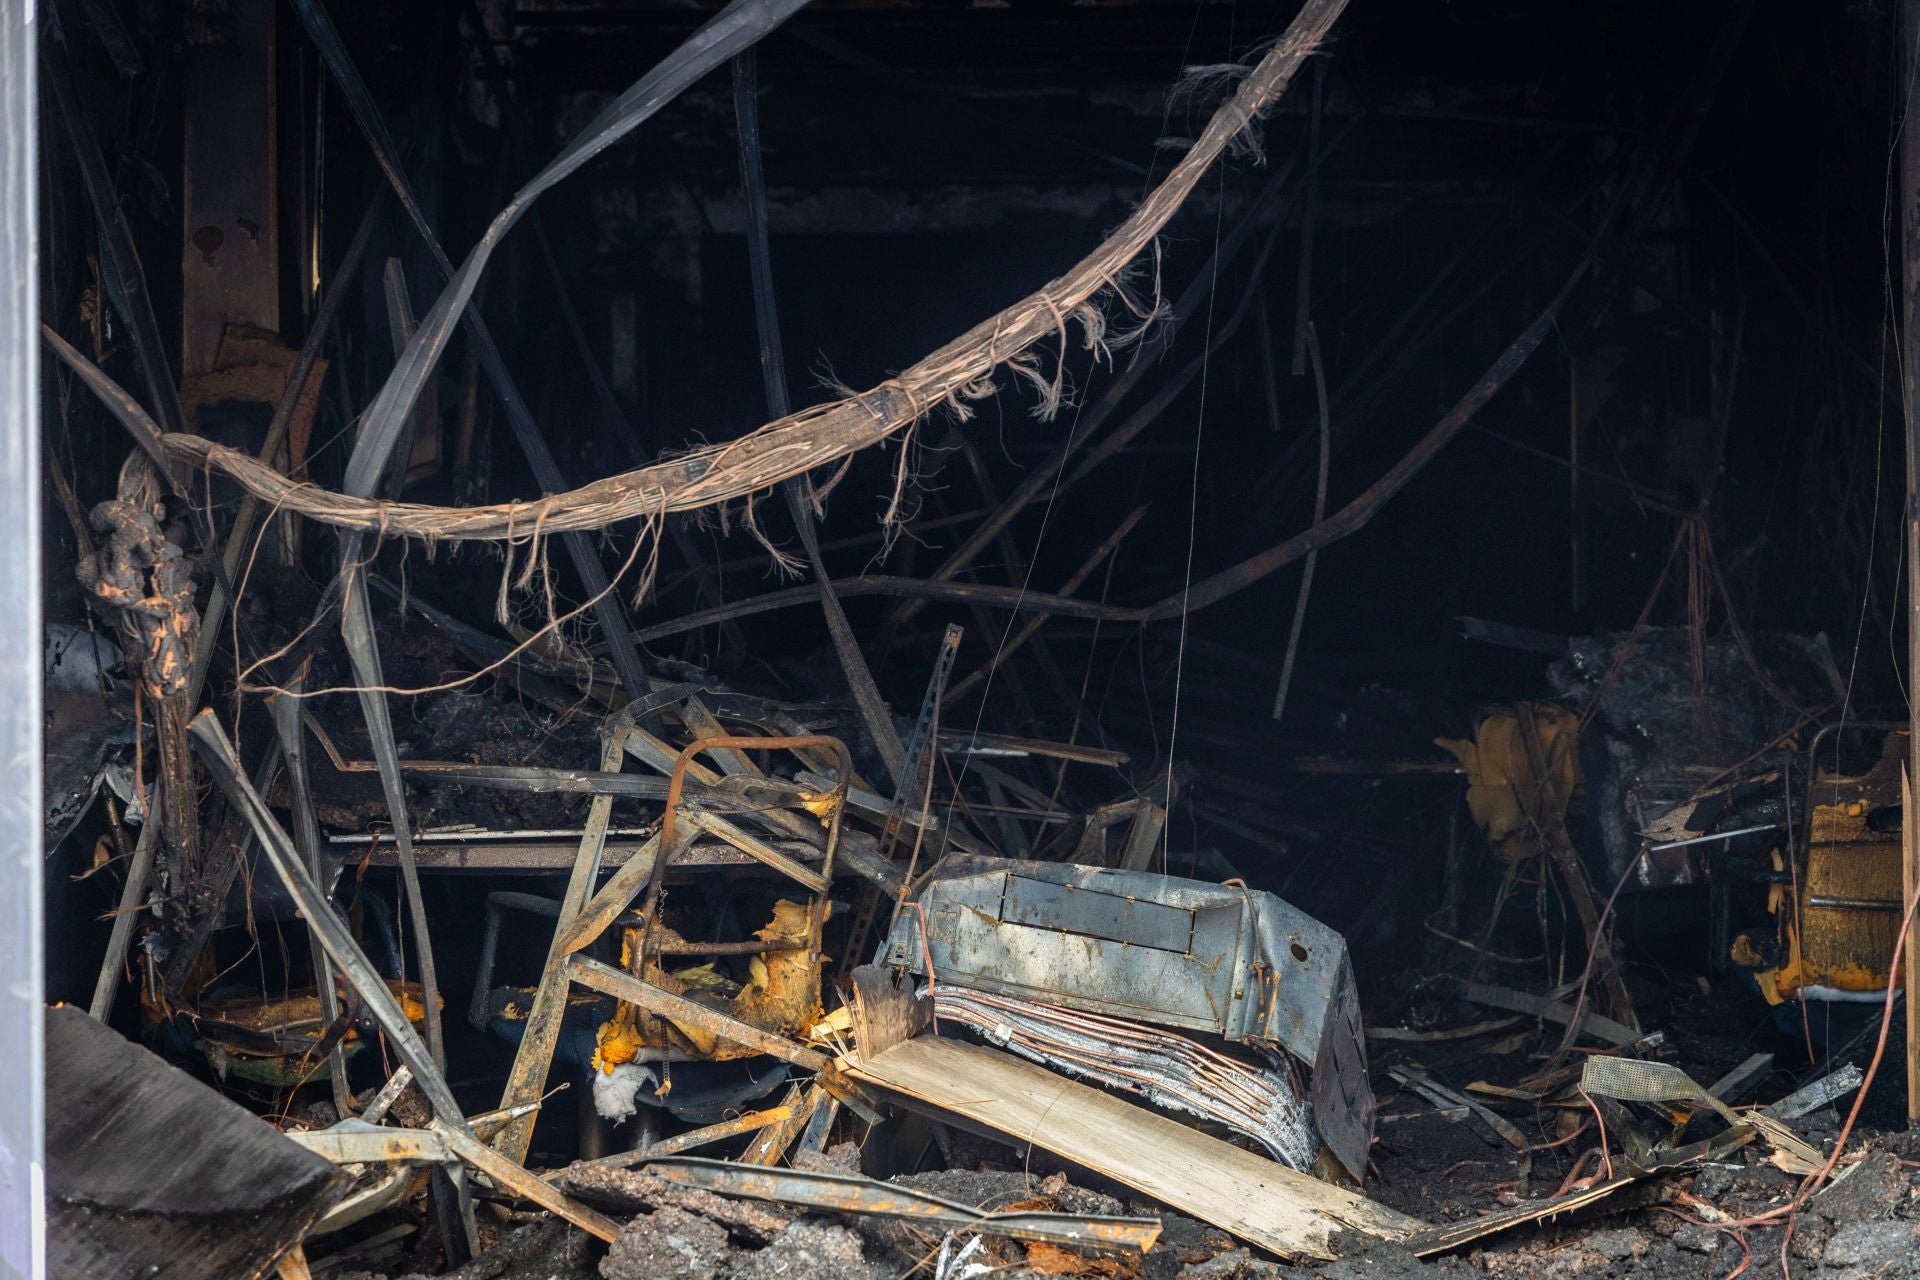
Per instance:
(1865,1224)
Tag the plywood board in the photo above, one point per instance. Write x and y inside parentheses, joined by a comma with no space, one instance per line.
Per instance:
(1263,1203)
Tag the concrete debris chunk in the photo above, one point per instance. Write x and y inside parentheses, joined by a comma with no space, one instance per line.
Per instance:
(668,1244)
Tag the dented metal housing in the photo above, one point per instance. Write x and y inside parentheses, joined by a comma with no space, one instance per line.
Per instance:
(1243,965)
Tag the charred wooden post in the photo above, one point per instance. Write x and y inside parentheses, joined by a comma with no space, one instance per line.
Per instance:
(229,258)
(145,582)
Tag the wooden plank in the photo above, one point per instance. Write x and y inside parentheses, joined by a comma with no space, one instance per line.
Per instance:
(1261,1202)
(769,1147)
(1593,1024)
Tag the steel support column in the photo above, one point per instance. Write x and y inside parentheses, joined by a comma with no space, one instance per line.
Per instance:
(22,1031)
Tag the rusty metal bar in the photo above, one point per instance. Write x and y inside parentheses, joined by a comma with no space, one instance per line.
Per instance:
(509,1176)
(376,1144)
(595,916)
(677,780)
(850,1193)
(758,849)
(819,1130)
(133,899)
(217,750)
(218,753)
(744,792)
(734,1128)
(751,947)
(801,502)
(586,915)
(624,986)
(861,856)
(535,1056)
(772,1143)
(676,785)
(285,710)
(549,852)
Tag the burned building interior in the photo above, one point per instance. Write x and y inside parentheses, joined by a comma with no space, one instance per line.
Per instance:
(1121,638)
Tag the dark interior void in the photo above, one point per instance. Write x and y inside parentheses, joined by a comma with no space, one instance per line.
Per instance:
(1706,447)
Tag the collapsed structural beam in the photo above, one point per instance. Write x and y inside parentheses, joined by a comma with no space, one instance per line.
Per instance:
(799,490)
(960,371)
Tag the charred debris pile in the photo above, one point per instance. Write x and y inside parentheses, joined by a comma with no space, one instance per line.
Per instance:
(510,814)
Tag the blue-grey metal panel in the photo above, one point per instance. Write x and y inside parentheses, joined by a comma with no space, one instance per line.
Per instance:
(1241,964)
(22,1029)
(1102,975)
(1303,965)
(1342,1096)
(1099,915)
(1149,948)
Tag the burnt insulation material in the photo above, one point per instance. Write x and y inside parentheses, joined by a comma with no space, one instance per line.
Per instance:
(1655,737)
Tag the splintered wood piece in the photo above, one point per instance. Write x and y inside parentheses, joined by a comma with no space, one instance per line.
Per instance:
(1263,1203)
(886,1009)
(770,1147)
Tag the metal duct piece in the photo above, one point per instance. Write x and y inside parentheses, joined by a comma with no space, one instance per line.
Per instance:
(1235,963)
(1171,1070)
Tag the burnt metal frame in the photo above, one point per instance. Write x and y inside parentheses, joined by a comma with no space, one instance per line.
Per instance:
(283,855)
(585,914)
(216,750)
